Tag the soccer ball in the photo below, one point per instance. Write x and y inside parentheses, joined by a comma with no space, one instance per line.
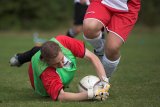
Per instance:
(87,81)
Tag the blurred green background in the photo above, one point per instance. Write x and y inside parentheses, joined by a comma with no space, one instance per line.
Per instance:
(50,14)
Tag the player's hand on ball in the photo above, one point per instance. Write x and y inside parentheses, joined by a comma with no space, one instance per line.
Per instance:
(96,89)
(101,91)
(101,95)
(105,83)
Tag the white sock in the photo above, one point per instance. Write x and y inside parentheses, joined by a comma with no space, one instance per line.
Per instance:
(97,43)
(109,66)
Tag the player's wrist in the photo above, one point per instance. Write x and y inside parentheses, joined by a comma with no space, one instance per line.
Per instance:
(90,93)
(105,79)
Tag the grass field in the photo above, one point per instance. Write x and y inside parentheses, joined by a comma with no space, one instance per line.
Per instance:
(136,83)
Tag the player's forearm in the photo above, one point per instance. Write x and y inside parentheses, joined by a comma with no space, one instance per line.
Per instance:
(99,67)
(96,63)
(68,96)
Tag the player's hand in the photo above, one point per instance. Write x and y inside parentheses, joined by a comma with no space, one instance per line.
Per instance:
(105,83)
(101,91)
(97,93)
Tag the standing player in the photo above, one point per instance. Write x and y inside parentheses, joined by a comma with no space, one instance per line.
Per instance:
(80,7)
(119,18)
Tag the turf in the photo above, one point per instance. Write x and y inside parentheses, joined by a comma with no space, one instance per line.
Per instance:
(136,83)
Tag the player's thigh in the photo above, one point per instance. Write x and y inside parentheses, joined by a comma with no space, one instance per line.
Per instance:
(96,14)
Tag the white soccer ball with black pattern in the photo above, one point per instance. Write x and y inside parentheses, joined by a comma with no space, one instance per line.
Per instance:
(87,81)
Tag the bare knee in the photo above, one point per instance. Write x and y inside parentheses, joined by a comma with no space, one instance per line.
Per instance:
(91,28)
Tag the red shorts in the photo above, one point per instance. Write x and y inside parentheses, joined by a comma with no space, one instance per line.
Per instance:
(118,22)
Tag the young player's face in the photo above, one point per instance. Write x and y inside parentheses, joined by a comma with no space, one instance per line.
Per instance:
(58,62)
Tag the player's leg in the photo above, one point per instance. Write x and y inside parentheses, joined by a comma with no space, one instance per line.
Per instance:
(79,12)
(111,58)
(93,24)
(74,31)
(21,58)
(93,35)
(119,28)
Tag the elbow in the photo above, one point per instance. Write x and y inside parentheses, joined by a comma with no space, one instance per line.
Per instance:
(61,96)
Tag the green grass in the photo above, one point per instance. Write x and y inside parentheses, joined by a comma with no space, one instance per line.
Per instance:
(136,83)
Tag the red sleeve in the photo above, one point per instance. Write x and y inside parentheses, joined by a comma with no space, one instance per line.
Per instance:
(77,47)
(52,82)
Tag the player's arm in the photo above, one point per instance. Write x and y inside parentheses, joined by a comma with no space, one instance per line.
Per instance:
(78,49)
(96,63)
(68,96)
(100,93)
(54,87)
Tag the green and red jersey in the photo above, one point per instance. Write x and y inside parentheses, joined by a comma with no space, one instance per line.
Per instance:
(50,79)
